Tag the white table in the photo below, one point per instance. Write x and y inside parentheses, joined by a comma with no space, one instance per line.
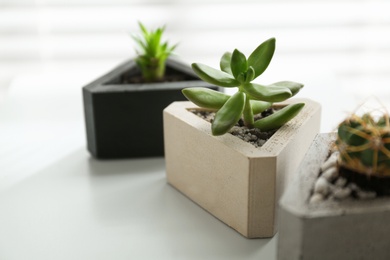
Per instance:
(81,208)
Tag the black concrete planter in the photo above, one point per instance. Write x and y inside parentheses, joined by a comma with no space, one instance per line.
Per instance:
(125,120)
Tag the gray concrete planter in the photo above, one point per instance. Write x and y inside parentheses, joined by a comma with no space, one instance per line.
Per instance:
(350,229)
(230,178)
(125,120)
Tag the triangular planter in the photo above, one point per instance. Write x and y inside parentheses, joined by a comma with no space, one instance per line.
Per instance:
(125,120)
(233,180)
(349,229)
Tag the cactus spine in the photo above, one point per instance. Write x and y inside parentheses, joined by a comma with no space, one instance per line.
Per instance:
(364,145)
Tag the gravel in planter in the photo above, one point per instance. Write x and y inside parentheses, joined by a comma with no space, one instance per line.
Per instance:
(330,185)
(253,136)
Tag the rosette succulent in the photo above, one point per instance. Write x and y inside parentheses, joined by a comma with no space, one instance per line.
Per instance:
(236,70)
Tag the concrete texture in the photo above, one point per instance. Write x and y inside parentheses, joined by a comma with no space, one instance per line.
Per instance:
(236,182)
(330,230)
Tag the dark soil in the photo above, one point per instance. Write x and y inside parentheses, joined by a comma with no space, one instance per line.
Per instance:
(137,79)
(253,136)
(381,185)
(171,75)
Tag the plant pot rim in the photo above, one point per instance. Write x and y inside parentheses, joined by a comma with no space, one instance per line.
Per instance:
(271,148)
(100,85)
(296,198)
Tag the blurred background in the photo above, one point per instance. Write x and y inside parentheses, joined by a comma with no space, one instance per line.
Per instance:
(339,49)
(49,49)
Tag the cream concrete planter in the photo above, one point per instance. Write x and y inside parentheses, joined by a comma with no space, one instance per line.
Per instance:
(350,229)
(234,181)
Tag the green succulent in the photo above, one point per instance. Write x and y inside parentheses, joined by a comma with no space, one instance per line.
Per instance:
(364,145)
(152,53)
(251,98)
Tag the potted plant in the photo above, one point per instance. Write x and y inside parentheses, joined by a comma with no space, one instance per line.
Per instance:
(338,205)
(233,179)
(123,108)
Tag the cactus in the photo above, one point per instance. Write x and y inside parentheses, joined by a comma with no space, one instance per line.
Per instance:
(364,145)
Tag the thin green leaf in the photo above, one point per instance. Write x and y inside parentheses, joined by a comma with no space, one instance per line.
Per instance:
(224,64)
(143,29)
(214,76)
(293,86)
(152,52)
(279,118)
(229,114)
(172,48)
(262,56)
(206,98)
(265,93)
(238,64)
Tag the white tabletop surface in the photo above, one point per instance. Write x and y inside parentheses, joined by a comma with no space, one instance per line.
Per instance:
(57,202)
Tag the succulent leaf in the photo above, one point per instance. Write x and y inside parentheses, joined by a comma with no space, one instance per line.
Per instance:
(224,64)
(293,86)
(265,93)
(279,118)
(259,106)
(206,98)
(238,65)
(229,114)
(214,76)
(241,77)
(262,56)
(250,74)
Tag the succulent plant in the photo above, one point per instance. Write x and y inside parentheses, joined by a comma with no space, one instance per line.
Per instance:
(239,71)
(152,53)
(364,144)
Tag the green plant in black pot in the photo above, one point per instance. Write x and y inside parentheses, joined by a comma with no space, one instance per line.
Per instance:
(251,98)
(152,53)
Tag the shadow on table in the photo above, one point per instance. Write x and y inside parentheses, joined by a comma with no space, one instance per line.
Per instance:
(101,168)
(134,195)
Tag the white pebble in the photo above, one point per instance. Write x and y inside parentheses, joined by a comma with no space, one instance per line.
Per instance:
(321,186)
(330,174)
(340,182)
(366,194)
(332,187)
(317,197)
(330,162)
(353,186)
(342,193)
